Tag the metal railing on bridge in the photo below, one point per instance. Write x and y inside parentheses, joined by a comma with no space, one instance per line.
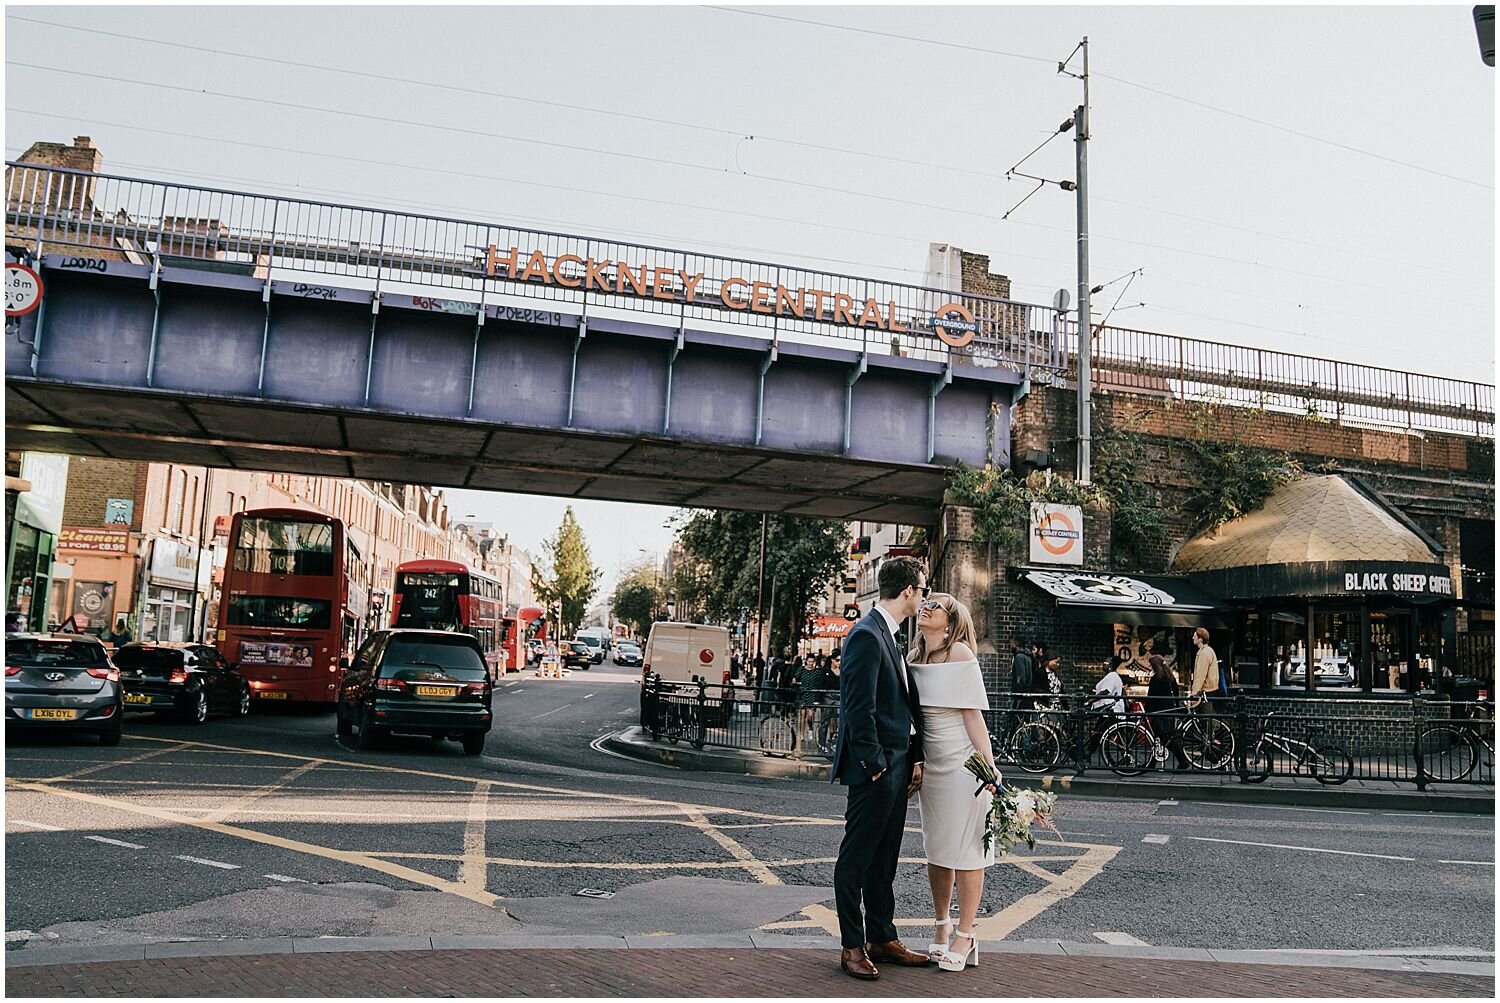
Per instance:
(1418,741)
(470,264)
(477,263)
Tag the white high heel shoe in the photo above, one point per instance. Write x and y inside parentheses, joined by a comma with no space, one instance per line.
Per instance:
(948,961)
(940,943)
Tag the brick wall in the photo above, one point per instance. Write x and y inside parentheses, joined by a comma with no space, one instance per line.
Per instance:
(977,277)
(92,480)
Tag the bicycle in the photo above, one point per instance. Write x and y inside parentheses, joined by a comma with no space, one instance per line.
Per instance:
(1207,742)
(679,719)
(1325,759)
(828,728)
(1129,747)
(1038,745)
(778,725)
(1452,750)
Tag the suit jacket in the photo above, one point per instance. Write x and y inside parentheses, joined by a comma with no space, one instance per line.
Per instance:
(876,713)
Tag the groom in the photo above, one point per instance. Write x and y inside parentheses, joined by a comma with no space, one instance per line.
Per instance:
(879,757)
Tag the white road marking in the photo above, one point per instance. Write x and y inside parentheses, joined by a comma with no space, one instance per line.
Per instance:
(622,713)
(1306,849)
(1166,802)
(210,863)
(1282,807)
(552,711)
(115,842)
(587,695)
(284,878)
(38,825)
(1476,863)
(11,935)
(1120,939)
(1155,837)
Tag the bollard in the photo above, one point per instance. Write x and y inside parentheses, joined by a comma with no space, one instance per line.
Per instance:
(700,733)
(1242,727)
(1419,723)
(1080,717)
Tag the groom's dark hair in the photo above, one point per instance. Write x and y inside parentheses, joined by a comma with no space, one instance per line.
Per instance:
(898,574)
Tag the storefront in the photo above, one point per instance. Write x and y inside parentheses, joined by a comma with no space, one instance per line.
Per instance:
(1339,593)
(32,540)
(1131,616)
(168,607)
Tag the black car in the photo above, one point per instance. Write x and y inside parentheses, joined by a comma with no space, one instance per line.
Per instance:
(422,682)
(62,682)
(189,681)
(577,655)
(627,654)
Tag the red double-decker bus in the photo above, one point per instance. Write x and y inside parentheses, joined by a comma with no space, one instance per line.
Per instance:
(292,605)
(447,595)
(516,632)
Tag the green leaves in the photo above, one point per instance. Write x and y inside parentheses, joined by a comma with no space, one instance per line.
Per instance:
(566,574)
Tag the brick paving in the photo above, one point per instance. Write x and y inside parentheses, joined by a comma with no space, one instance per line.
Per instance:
(733,972)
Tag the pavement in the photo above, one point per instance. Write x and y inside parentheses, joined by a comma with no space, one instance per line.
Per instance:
(1472,799)
(746,965)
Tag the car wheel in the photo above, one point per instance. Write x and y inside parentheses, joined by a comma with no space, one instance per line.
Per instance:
(473,743)
(113,735)
(370,736)
(197,711)
(242,708)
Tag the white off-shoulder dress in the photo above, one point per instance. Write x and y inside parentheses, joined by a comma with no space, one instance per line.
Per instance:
(953,818)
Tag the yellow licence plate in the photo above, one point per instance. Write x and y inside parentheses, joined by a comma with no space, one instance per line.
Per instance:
(272,695)
(137,698)
(436,691)
(53,714)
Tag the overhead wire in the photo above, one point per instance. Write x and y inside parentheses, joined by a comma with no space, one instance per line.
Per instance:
(391,78)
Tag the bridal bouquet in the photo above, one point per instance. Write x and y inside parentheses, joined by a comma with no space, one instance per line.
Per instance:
(1013,812)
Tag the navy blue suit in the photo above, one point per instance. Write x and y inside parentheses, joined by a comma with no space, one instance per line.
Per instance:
(876,719)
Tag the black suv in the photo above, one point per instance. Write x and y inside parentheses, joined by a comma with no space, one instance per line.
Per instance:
(422,682)
(577,655)
(189,681)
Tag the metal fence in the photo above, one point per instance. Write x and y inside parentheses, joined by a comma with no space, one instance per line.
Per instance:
(1421,742)
(482,263)
(1170,366)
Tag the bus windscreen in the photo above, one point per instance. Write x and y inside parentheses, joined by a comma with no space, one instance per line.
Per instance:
(284,547)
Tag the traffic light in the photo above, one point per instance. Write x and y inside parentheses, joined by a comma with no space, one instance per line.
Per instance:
(851,584)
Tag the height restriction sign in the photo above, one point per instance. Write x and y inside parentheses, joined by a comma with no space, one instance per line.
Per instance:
(23,290)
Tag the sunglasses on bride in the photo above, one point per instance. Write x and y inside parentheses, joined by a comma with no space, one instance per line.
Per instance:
(929,604)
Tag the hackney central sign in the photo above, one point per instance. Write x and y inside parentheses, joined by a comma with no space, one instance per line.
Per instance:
(952,323)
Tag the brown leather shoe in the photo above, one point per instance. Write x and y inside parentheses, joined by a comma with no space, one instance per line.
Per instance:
(897,953)
(854,961)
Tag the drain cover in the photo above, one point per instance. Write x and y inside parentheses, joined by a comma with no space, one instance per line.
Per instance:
(593,893)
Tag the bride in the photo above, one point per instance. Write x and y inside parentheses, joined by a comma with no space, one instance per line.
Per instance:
(951,690)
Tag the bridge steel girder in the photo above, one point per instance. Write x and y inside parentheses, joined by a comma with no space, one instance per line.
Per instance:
(204,367)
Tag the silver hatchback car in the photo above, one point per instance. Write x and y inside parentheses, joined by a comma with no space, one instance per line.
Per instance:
(62,683)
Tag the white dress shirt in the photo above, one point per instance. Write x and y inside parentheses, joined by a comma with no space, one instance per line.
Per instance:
(890,622)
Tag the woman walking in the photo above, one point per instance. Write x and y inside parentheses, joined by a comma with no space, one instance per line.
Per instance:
(951,689)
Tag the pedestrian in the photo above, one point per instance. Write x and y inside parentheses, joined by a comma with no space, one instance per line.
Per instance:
(1108,701)
(879,759)
(1053,700)
(809,685)
(1205,673)
(119,634)
(1163,707)
(953,701)
(1020,683)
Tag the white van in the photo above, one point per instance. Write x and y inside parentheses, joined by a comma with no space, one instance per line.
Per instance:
(685,652)
(597,638)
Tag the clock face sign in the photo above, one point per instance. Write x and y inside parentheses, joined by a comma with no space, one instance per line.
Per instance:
(1101,588)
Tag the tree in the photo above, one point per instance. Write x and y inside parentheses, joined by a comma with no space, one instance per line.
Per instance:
(637,597)
(803,557)
(566,575)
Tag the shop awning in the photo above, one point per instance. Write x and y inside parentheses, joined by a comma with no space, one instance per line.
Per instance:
(1099,597)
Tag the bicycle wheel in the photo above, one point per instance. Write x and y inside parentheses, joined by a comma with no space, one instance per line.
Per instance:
(1207,743)
(1330,762)
(776,734)
(1126,748)
(1258,763)
(1447,753)
(1035,747)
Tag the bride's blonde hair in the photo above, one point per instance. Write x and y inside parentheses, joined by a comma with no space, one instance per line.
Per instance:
(960,629)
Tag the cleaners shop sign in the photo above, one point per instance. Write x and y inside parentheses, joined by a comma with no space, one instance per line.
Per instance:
(953,323)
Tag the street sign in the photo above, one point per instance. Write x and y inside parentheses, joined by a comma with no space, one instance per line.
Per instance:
(23,290)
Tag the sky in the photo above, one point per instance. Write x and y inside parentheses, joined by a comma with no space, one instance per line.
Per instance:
(1317,180)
